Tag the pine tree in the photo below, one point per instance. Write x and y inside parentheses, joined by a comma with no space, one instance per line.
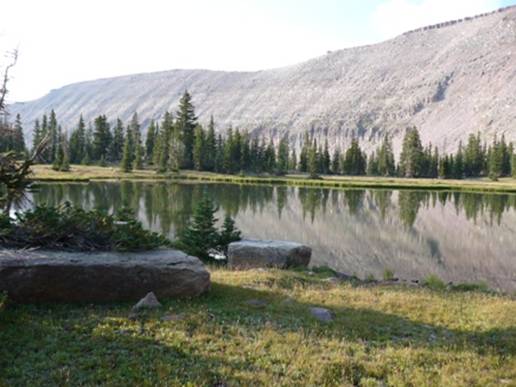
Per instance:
(117,146)
(102,138)
(303,157)
(65,161)
(161,149)
(126,164)
(54,136)
(135,142)
(18,138)
(211,147)
(335,162)
(186,122)
(36,134)
(458,166)
(312,162)
(175,148)
(199,150)
(78,142)
(355,162)
(283,159)
(411,157)
(385,157)
(150,142)
(200,234)
(228,234)
(326,159)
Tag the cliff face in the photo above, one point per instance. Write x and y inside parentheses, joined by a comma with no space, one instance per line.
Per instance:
(448,80)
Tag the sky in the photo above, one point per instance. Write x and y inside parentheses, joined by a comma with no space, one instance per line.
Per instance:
(66,41)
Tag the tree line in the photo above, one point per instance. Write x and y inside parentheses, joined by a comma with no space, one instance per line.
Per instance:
(180,142)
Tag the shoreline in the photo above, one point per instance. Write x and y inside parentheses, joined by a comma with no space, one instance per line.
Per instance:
(44,173)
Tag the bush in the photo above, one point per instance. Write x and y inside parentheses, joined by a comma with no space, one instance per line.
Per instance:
(434,282)
(388,275)
(471,287)
(75,229)
(201,238)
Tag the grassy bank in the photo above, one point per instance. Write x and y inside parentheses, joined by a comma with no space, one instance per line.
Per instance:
(87,173)
(381,335)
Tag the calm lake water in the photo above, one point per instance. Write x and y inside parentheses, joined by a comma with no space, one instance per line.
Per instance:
(461,237)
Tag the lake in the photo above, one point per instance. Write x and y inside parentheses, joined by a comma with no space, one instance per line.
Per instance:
(460,237)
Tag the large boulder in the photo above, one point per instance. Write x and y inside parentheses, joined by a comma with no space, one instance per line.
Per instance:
(279,254)
(56,276)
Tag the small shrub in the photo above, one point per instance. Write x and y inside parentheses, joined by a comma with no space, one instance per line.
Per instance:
(388,275)
(370,278)
(201,237)
(70,228)
(471,287)
(434,282)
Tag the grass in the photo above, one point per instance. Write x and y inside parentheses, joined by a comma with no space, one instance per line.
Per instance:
(87,173)
(381,335)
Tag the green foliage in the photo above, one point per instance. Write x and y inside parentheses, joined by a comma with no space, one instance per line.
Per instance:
(228,234)
(471,287)
(201,236)
(70,228)
(126,163)
(434,282)
(411,157)
(388,275)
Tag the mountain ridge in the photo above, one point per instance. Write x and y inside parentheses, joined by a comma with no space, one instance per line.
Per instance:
(449,80)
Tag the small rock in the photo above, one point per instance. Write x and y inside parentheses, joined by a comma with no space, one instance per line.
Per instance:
(173,317)
(322,314)
(148,302)
(257,303)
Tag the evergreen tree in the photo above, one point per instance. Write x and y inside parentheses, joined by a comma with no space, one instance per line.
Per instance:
(372,165)
(312,162)
(18,138)
(101,138)
(473,157)
(283,159)
(228,234)
(495,160)
(199,151)
(134,136)
(200,234)
(335,162)
(411,157)
(88,146)
(54,136)
(354,160)
(458,165)
(162,147)
(126,164)
(303,157)
(78,142)
(211,147)
(385,157)
(186,122)
(175,148)
(150,142)
(117,147)
(37,135)
(326,159)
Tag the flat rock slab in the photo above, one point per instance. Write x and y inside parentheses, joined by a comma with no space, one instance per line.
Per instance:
(248,254)
(57,276)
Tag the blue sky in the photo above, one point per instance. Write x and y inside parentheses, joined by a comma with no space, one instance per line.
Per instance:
(62,41)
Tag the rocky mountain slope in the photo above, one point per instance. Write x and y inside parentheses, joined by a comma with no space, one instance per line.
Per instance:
(449,80)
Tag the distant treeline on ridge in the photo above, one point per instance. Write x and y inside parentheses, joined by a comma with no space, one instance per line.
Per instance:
(180,142)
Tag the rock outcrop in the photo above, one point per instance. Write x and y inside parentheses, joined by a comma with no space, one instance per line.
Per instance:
(278,254)
(449,80)
(49,276)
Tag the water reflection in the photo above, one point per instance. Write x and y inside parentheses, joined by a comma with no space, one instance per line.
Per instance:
(458,236)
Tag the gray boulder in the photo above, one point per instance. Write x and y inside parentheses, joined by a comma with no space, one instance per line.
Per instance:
(322,314)
(148,302)
(56,276)
(278,254)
